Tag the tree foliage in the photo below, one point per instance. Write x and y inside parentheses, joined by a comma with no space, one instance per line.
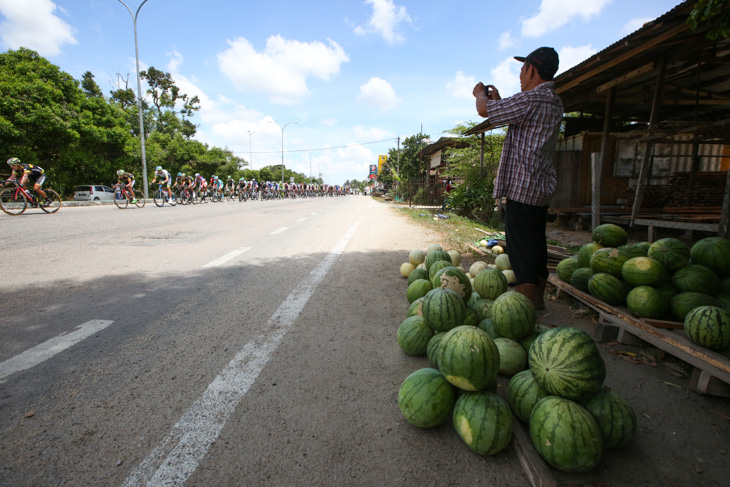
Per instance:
(713,14)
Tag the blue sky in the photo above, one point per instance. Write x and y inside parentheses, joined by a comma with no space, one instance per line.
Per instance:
(355,75)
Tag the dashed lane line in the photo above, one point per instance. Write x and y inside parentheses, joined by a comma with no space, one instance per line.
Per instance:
(225,258)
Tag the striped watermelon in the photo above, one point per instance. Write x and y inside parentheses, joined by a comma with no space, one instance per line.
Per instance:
(609,260)
(696,278)
(432,348)
(712,252)
(708,326)
(437,266)
(452,278)
(614,417)
(607,288)
(417,274)
(643,271)
(527,341)
(426,398)
(566,362)
(580,277)
(418,289)
(565,435)
(566,267)
(473,299)
(585,253)
(436,256)
(523,393)
(610,235)
(470,318)
(723,301)
(646,302)
(468,358)
(443,309)
(416,307)
(413,335)
(672,253)
(635,250)
(488,325)
(683,303)
(490,283)
(512,356)
(483,309)
(483,421)
(513,315)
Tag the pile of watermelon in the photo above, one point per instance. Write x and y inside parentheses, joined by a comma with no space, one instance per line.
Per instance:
(472,329)
(665,279)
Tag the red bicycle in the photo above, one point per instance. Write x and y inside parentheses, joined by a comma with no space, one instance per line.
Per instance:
(14,201)
(123,196)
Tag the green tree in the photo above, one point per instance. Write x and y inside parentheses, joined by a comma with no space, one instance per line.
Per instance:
(713,14)
(166,96)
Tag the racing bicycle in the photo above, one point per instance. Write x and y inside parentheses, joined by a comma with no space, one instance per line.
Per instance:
(14,201)
(123,196)
(160,197)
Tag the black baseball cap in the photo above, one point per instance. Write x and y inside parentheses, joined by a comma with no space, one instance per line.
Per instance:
(544,59)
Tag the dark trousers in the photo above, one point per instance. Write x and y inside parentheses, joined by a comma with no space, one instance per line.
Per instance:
(524,227)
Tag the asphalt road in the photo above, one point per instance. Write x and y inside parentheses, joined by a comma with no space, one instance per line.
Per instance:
(221,344)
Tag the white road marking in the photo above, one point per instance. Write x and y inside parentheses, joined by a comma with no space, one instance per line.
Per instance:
(230,255)
(179,453)
(279,230)
(49,348)
(302,219)
(313,213)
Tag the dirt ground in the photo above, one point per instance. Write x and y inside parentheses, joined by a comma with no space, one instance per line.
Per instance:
(683,437)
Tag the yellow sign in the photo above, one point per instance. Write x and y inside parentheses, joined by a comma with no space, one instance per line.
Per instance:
(381,162)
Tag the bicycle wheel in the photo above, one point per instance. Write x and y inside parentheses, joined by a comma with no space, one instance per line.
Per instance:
(139,196)
(159,198)
(171,199)
(11,203)
(121,199)
(52,203)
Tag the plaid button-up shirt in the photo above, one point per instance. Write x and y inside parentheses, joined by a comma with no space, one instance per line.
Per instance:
(526,172)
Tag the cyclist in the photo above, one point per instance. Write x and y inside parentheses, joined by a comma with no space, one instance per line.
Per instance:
(216,185)
(242,186)
(200,182)
(231,185)
(165,179)
(126,179)
(28,173)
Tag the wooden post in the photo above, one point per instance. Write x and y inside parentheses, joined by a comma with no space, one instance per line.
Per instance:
(596,164)
(693,170)
(481,158)
(725,219)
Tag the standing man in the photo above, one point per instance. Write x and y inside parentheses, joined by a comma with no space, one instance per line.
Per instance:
(526,175)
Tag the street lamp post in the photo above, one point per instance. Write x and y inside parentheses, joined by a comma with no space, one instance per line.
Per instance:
(139,96)
(250,153)
(310,165)
(282,146)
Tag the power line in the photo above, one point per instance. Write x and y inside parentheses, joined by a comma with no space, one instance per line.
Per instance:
(317,148)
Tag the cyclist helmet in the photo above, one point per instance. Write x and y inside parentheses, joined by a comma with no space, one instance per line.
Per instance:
(197,175)
(13,161)
(120,172)
(229,177)
(180,175)
(158,168)
(241,179)
(215,177)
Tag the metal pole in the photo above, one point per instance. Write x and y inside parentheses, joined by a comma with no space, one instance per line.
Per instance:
(139,96)
(250,153)
(282,146)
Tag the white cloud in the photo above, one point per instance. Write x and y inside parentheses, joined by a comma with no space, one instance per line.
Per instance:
(553,14)
(461,86)
(385,20)
(282,69)
(364,135)
(378,93)
(634,24)
(328,122)
(506,77)
(33,24)
(506,41)
(570,56)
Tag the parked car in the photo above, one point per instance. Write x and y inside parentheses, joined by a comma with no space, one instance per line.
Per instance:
(95,192)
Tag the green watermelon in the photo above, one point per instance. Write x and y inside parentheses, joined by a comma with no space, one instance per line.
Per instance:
(488,325)
(437,266)
(643,271)
(635,250)
(610,235)
(580,278)
(646,302)
(418,289)
(566,267)
(417,274)
(426,398)
(490,283)
(585,253)
(566,362)
(607,288)
(470,318)
(696,278)
(609,260)
(523,393)
(512,356)
(529,339)
(443,309)
(683,303)
(565,435)
(725,285)
(714,253)
(416,308)
(614,417)
(483,309)
(473,299)
(723,301)
(483,421)
(452,278)
(708,326)
(667,292)
(436,256)
(413,335)
(468,358)
(513,315)
(672,253)
(432,348)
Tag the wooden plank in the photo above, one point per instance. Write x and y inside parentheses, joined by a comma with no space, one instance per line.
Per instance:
(538,473)
(705,383)
(676,325)
(626,77)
